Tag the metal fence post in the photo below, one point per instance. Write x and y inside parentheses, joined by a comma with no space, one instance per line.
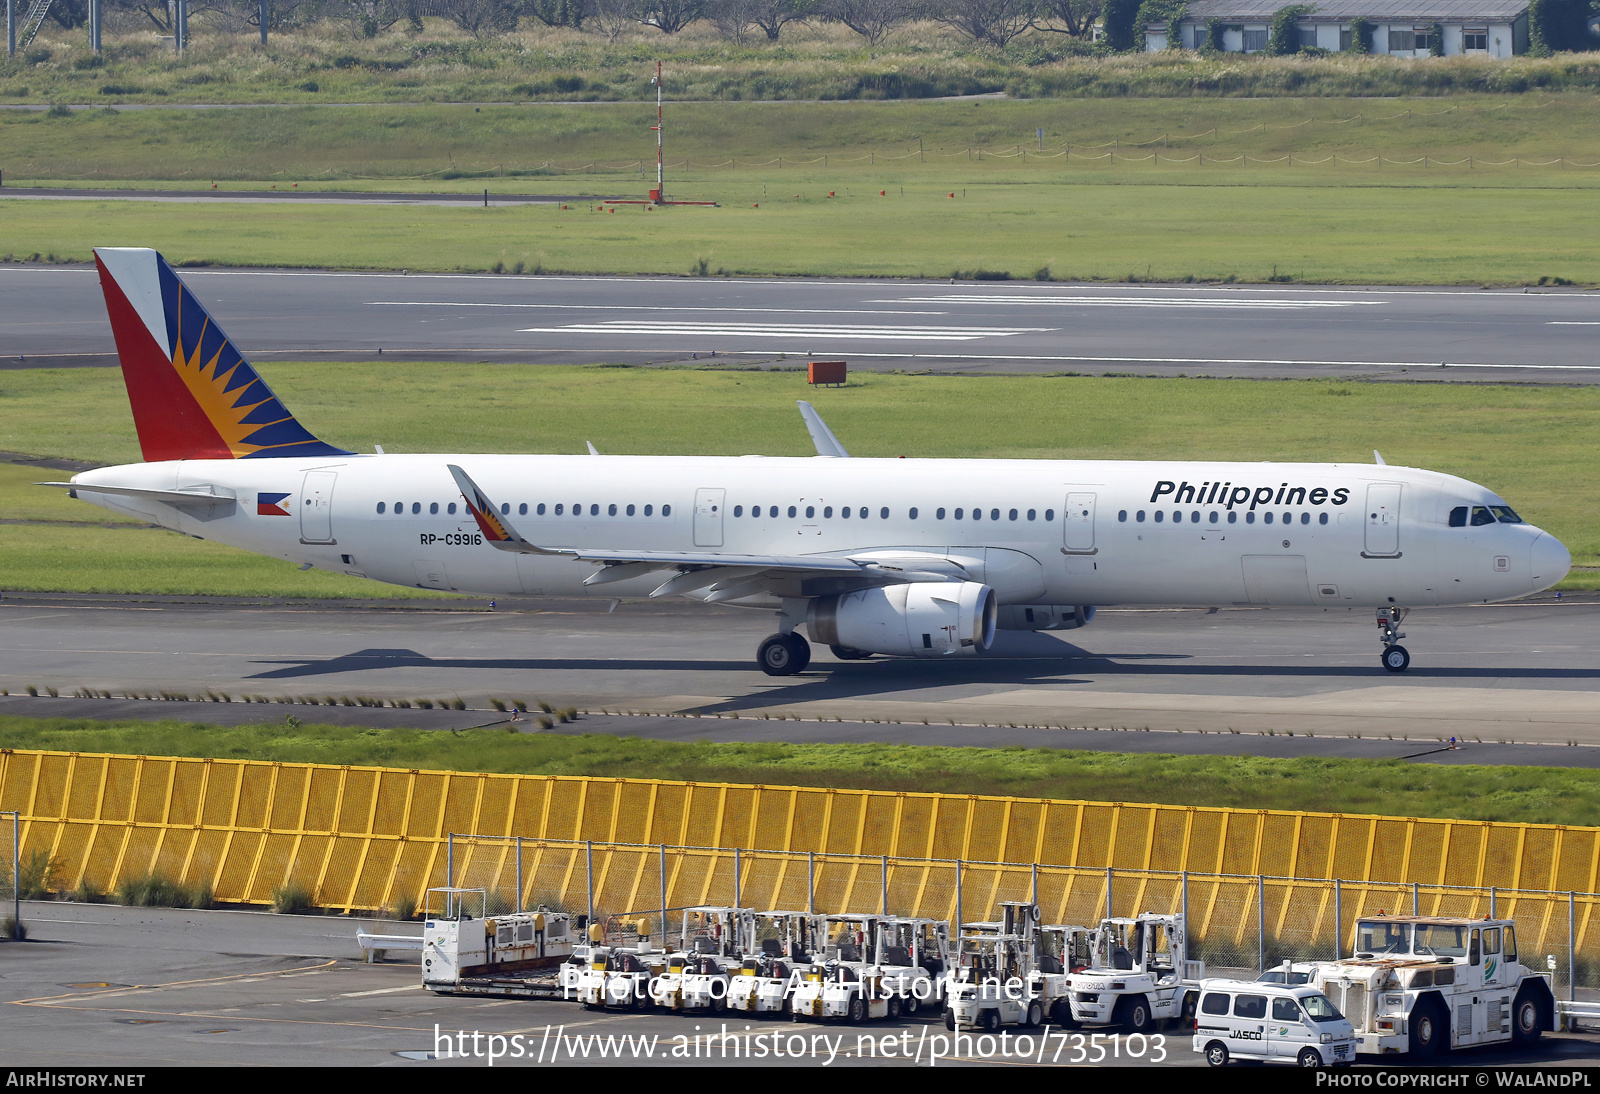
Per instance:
(811,882)
(519,873)
(663,896)
(883,888)
(261,14)
(1493,892)
(1572,954)
(11,28)
(1109,912)
(1034,870)
(1415,901)
(450,861)
(588,870)
(96,7)
(1261,920)
(736,869)
(1338,921)
(16,875)
(1184,902)
(959,919)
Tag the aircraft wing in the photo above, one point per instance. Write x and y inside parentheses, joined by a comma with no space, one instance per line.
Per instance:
(726,574)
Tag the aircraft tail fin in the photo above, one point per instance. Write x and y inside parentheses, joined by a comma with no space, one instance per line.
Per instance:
(193,396)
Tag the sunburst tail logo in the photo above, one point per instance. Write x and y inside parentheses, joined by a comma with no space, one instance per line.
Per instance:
(193,395)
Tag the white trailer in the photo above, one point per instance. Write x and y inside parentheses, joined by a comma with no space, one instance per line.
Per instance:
(516,953)
(1427,984)
(1139,974)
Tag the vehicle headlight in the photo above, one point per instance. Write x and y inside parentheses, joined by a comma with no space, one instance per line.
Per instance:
(1327,1038)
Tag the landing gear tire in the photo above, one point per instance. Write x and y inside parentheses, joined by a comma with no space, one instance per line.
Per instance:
(1396,658)
(847,653)
(783,654)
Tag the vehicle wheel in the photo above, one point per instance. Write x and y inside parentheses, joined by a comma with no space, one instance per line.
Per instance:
(1134,1015)
(1426,1030)
(1035,1017)
(783,654)
(989,1020)
(719,1004)
(1525,1024)
(1309,1057)
(1217,1054)
(1061,1014)
(949,1019)
(911,1005)
(1396,658)
(846,653)
(894,1008)
(857,1011)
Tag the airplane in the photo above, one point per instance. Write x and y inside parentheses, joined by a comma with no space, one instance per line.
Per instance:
(922,558)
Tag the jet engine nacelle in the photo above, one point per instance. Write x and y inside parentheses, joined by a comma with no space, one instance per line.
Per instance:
(932,619)
(1045,617)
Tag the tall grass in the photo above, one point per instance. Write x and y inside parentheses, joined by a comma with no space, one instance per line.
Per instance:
(326,62)
(155,889)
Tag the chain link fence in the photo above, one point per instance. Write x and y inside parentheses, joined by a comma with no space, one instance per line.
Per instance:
(1236,923)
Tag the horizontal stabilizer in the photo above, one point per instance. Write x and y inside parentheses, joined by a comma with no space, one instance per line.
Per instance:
(821,436)
(209,495)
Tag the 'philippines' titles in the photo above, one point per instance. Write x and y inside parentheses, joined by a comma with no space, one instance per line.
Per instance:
(1228,495)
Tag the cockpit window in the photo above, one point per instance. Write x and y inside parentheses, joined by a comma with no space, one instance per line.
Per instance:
(1481,516)
(1504,514)
(1458,516)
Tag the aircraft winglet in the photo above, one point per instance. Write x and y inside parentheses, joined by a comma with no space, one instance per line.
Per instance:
(496,529)
(821,436)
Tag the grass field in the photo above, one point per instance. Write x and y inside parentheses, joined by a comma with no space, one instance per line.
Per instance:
(1134,200)
(1247,233)
(1524,442)
(1527,794)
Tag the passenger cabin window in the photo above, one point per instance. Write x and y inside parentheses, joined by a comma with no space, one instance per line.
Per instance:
(1249,518)
(666,511)
(1250,1006)
(1013,515)
(1049,514)
(844,512)
(611,510)
(630,510)
(994,514)
(938,514)
(792,510)
(433,507)
(1322,518)
(559,508)
(1285,1010)
(1033,514)
(912,513)
(1233,518)
(1214,516)
(883,514)
(1139,516)
(738,510)
(1122,516)
(827,511)
(811,511)
(539,511)
(648,509)
(1214,1003)
(772,511)
(505,508)
(451,508)
(958,513)
(380,507)
(594,510)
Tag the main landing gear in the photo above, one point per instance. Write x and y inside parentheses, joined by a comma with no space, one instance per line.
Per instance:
(783,654)
(1395,656)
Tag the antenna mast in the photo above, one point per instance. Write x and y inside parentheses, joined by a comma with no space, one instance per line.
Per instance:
(660,193)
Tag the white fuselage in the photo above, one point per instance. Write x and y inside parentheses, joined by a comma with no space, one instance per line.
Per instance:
(1046,532)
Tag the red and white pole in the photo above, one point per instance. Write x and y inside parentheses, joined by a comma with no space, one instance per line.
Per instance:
(661,195)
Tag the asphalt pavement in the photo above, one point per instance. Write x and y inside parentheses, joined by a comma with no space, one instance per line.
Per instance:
(54,316)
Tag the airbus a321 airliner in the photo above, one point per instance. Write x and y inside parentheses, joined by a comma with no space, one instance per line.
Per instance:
(902,557)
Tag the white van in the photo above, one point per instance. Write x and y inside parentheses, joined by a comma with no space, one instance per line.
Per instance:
(1273,1022)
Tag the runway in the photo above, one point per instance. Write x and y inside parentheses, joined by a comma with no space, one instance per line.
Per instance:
(54,316)
(1517,683)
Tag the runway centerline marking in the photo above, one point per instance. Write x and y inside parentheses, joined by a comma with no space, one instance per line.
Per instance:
(740,308)
(1126,301)
(786,330)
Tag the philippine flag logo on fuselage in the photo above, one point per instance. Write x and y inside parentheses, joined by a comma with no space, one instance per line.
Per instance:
(271,505)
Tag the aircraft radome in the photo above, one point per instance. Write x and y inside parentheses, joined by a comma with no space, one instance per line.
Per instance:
(903,557)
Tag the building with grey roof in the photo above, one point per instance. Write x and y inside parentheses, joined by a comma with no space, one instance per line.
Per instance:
(1398,28)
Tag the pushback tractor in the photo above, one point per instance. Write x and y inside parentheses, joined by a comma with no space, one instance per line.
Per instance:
(1427,984)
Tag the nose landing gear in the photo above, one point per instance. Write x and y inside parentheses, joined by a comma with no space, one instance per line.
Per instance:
(1395,656)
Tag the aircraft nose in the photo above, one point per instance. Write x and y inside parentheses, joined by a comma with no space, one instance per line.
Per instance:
(1550,561)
